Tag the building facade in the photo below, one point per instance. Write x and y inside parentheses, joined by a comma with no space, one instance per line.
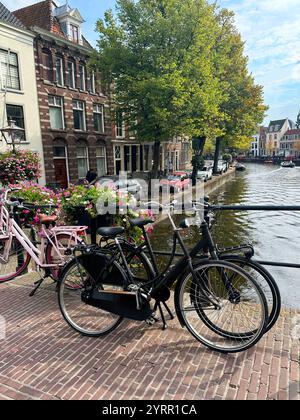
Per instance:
(255,145)
(276,131)
(290,144)
(74,111)
(18,88)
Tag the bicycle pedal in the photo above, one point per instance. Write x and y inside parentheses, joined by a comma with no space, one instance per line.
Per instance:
(151,321)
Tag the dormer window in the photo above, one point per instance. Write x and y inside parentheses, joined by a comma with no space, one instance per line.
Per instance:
(74,33)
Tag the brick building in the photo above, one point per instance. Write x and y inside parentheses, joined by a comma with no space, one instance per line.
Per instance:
(74,110)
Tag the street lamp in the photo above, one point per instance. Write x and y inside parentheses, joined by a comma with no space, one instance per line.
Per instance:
(12,134)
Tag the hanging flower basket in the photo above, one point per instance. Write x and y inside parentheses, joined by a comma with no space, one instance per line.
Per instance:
(20,166)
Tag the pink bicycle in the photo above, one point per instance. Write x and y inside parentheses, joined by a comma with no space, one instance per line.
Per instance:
(49,247)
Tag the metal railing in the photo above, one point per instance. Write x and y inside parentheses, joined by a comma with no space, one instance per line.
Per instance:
(210,207)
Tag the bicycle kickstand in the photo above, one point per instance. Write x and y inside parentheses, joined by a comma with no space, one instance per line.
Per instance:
(159,307)
(38,285)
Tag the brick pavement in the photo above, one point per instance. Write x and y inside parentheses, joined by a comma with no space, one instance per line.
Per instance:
(42,358)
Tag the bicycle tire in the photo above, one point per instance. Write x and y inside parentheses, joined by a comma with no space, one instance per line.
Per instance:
(266,282)
(17,263)
(69,290)
(209,330)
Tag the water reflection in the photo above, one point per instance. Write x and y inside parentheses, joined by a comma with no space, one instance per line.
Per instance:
(275,235)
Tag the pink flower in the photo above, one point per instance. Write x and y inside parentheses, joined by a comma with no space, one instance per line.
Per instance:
(36,219)
(150,229)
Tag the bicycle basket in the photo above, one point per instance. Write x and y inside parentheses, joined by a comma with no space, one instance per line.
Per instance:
(100,268)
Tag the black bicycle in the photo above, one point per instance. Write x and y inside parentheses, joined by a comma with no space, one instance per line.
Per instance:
(219,303)
(143,263)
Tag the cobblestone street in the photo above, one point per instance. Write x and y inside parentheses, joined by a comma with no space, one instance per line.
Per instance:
(42,358)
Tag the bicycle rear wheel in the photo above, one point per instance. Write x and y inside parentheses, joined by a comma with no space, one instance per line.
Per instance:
(85,319)
(14,259)
(223,307)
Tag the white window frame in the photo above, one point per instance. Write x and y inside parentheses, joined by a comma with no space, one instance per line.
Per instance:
(85,156)
(6,68)
(21,106)
(93,82)
(57,103)
(120,129)
(101,156)
(61,71)
(73,74)
(82,77)
(76,107)
(72,33)
(96,108)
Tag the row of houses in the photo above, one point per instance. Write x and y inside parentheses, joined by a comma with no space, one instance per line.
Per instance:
(68,117)
(280,139)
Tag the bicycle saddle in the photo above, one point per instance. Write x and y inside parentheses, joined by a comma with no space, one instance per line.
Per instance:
(44,219)
(110,232)
(140,222)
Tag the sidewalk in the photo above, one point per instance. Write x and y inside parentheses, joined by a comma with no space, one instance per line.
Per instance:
(42,358)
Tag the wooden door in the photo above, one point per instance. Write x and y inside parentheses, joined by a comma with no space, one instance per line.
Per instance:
(61,174)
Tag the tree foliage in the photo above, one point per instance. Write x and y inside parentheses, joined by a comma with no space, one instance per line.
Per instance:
(177,69)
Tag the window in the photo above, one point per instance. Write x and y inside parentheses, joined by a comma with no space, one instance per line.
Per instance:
(101,160)
(79,117)
(56,113)
(82,77)
(47,64)
(98,118)
(71,74)
(93,82)
(120,132)
(59,151)
(185,152)
(9,70)
(59,71)
(74,33)
(82,161)
(16,114)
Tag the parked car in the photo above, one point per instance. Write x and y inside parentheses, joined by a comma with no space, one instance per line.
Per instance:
(222,167)
(179,181)
(126,186)
(205,174)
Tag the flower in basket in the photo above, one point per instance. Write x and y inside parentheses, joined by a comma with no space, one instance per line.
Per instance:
(35,195)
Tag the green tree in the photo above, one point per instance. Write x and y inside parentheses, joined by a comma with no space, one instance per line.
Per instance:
(298,120)
(159,57)
(243,106)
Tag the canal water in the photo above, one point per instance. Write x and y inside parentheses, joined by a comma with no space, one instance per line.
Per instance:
(275,235)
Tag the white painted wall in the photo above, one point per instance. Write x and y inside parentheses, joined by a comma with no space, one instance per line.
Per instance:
(21,42)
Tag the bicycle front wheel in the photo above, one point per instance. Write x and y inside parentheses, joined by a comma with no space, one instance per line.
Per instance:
(85,319)
(222,306)
(14,259)
(265,281)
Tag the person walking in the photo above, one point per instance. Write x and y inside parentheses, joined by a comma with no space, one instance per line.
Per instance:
(91,176)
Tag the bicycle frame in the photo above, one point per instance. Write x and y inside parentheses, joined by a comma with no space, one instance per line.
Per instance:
(13,230)
(168,277)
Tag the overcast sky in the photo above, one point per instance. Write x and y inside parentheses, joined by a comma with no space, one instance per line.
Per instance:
(271,30)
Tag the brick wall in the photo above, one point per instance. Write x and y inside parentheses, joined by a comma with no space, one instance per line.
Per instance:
(69,137)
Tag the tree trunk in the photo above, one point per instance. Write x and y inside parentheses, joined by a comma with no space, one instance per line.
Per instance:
(198,146)
(217,154)
(156,159)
